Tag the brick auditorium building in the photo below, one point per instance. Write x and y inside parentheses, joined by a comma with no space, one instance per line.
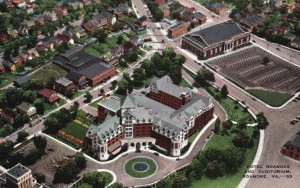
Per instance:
(292,147)
(215,40)
(165,115)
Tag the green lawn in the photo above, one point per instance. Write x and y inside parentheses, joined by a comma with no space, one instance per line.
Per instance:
(192,137)
(75,130)
(49,107)
(94,104)
(48,72)
(132,172)
(6,78)
(234,110)
(100,49)
(80,92)
(272,98)
(185,84)
(221,142)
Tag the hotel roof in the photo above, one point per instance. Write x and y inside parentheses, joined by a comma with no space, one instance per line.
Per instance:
(215,34)
(113,103)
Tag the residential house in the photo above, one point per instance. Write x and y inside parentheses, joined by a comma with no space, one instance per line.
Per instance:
(79,80)
(142,21)
(48,95)
(165,10)
(22,80)
(65,86)
(75,4)
(60,10)
(13,33)
(47,44)
(218,8)
(290,6)
(98,21)
(2,67)
(8,115)
(3,37)
(190,15)
(251,22)
(39,19)
(179,29)
(26,108)
(86,2)
(66,37)
(50,16)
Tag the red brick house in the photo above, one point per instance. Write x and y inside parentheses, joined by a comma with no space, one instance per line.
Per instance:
(178,30)
(60,10)
(8,115)
(48,95)
(291,148)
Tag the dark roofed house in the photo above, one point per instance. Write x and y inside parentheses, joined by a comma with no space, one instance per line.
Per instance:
(218,8)
(48,95)
(84,66)
(142,21)
(292,147)
(78,79)
(216,39)
(251,21)
(22,80)
(8,115)
(65,86)
(179,29)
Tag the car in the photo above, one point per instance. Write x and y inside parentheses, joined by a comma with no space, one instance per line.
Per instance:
(278,49)
(298,117)
(254,41)
(156,153)
(296,121)
(292,122)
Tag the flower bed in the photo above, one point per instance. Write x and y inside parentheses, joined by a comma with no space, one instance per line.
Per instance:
(70,137)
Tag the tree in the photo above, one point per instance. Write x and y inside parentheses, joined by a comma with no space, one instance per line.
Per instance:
(217,126)
(101,35)
(21,119)
(242,125)
(6,148)
(31,157)
(40,177)
(80,160)
(180,181)
(21,136)
(241,139)
(15,158)
(40,143)
(52,124)
(6,130)
(66,172)
(224,91)
(39,105)
(227,124)
(214,169)
(120,39)
(88,97)
(266,60)
(114,83)
(262,121)
(119,185)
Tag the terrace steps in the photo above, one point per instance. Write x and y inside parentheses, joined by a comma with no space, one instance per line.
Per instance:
(257,68)
(271,76)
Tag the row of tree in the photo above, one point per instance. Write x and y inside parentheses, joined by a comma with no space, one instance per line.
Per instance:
(61,118)
(68,170)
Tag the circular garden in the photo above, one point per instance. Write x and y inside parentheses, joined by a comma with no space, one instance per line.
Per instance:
(140,167)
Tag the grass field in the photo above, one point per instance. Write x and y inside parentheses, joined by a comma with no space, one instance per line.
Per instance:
(234,110)
(221,142)
(49,107)
(75,130)
(132,172)
(100,49)
(48,72)
(272,98)
(6,79)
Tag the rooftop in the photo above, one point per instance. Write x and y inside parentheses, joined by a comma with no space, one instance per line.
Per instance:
(113,103)
(18,171)
(215,34)
(24,106)
(64,81)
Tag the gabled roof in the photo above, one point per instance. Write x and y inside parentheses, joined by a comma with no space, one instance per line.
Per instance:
(46,92)
(24,106)
(215,34)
